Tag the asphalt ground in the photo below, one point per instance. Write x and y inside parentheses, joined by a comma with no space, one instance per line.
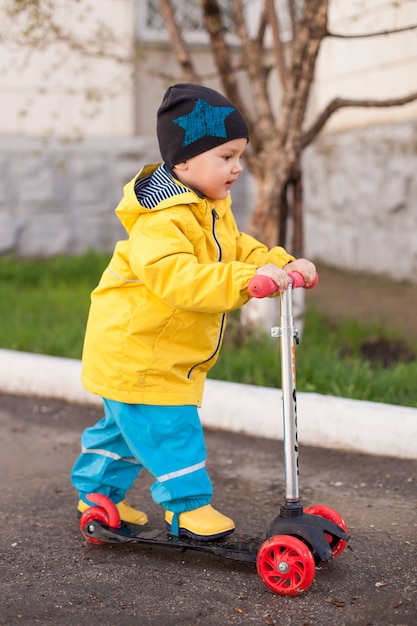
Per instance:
(50,574)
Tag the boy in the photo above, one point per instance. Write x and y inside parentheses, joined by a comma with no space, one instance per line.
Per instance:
(157,317)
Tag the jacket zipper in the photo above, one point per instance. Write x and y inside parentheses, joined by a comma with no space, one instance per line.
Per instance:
(214,217)
(213,354)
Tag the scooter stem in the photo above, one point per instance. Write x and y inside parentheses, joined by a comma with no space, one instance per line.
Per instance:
(261,286)
(289,338)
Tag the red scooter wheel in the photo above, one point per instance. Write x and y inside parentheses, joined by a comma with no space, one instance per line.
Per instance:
(285,565)
(93,514)
(336,518)
(104,512)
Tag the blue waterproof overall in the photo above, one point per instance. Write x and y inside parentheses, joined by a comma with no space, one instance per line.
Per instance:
(167,440)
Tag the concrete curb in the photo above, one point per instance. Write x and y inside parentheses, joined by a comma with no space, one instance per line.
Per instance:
(327,421)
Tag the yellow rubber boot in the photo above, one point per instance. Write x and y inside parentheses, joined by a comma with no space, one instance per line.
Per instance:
(204,523)
(127,513)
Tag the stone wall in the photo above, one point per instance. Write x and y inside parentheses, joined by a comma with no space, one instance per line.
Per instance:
(360,197)
(361,200)
(60,198)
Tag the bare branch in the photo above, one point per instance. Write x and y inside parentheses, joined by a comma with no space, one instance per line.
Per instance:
(339,103)
(263,21)
(311,31)
(39,31)
(278,49)
(252,59)
(221,53)
(180,48)
(294,24)
(376,34)
(223,61)
(90,49)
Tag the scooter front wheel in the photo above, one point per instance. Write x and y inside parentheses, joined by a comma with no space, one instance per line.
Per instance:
(286,565)
(333,516)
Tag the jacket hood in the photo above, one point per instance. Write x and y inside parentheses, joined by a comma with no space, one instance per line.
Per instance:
(153,189)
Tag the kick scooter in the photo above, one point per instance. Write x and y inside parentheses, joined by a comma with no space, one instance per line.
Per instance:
(297,540)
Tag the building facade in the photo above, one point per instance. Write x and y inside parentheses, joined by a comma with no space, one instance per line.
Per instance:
(78,121)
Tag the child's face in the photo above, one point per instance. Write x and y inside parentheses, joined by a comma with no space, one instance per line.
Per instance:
(214,172)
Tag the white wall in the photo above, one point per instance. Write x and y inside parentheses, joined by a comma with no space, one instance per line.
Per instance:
(60,198)
(55,91)
(370,68)
(361,200)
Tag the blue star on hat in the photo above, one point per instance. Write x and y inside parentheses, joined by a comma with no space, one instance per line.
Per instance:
(204,120)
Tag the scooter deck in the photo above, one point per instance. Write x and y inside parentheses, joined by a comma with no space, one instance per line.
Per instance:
(236,547)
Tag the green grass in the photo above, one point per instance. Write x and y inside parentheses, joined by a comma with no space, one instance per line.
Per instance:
(44,307)
(44,304)
(328,361)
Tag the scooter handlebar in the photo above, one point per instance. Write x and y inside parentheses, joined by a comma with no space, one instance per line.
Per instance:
(261,286)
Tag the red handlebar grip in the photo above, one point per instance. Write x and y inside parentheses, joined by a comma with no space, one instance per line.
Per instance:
(261,286)
(298,280)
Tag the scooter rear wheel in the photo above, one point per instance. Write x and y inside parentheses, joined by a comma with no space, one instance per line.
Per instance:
(335,517)
(285,565)
(91,515)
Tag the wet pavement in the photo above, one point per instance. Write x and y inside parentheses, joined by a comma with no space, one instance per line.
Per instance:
(50,574)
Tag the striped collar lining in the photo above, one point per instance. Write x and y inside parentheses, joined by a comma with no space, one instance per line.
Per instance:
(157,187)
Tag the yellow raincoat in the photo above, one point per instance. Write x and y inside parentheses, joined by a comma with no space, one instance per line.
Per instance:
(157,317)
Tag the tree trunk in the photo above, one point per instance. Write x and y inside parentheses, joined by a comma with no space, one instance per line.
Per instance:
(265,222)
(279,181)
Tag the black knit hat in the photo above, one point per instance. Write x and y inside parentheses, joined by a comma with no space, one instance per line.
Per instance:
(193,119)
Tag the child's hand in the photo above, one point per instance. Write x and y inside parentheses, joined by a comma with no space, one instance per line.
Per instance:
(278,275)
(306,268)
